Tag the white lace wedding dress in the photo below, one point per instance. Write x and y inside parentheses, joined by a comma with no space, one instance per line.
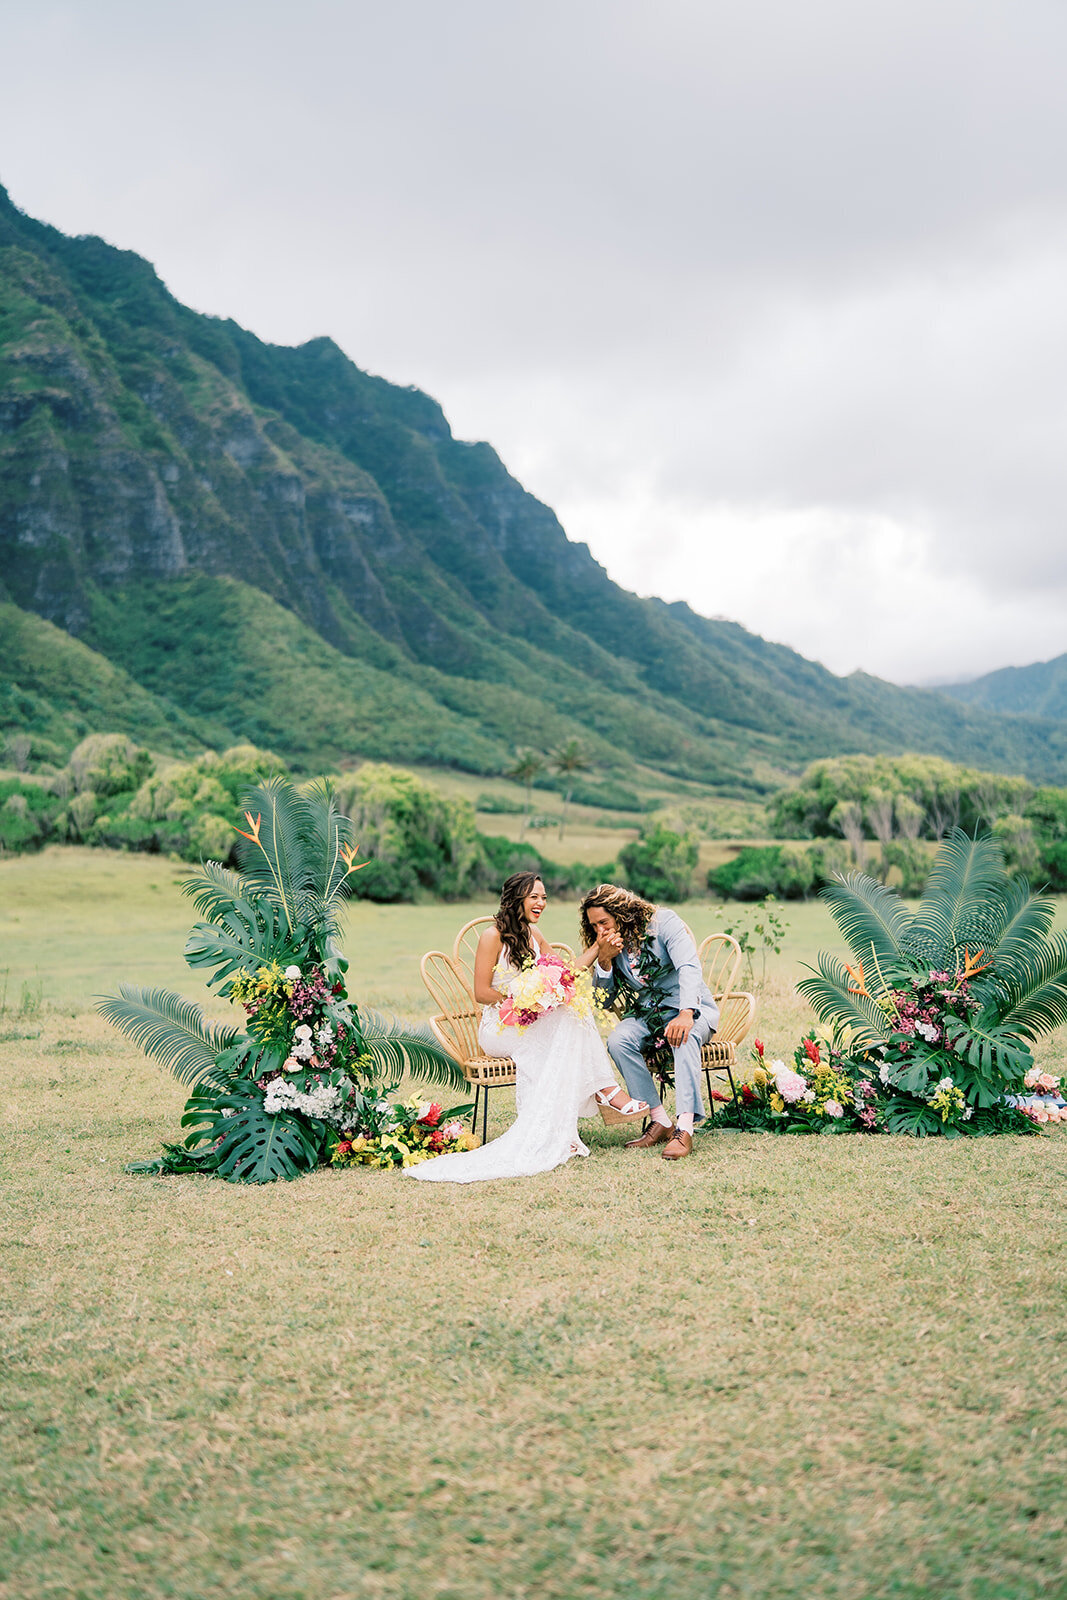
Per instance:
(560,1063)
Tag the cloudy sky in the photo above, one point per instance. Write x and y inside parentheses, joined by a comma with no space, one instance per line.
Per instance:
(766,298)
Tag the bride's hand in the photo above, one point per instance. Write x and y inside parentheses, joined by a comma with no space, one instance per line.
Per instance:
(608,948)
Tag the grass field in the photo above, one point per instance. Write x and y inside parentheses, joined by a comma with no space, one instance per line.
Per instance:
(822,1368)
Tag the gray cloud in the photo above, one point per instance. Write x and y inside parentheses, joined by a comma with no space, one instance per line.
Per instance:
(765,298)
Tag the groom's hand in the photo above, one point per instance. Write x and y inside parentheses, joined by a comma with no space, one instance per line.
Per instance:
(677,1031)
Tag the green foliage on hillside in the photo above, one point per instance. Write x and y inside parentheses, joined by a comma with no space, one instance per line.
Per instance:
(299,554)
(54,690)
(1038,690)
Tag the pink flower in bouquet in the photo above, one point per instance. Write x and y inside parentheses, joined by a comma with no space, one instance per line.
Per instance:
(451,1130)
(790,1085)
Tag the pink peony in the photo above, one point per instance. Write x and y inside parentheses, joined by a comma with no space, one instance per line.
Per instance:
(790,1085)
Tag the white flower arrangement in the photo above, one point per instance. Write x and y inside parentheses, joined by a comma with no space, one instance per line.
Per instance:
(322,1103)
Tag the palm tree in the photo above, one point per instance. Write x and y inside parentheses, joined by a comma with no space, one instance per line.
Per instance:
(281,909)
(979,937)
(527,769)
(568,761)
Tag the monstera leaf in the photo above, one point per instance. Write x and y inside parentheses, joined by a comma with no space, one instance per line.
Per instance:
(250,1145)
(244,937)
(912,1116)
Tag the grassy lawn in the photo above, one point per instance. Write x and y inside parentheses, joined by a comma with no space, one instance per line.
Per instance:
(785,1367)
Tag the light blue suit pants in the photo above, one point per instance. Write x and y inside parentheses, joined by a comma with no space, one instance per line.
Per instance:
(624,1047)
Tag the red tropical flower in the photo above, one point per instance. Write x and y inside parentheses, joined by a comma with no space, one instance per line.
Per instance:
(432,1117)
(811,1050)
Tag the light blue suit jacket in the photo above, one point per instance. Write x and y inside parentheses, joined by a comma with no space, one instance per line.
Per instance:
(673,946)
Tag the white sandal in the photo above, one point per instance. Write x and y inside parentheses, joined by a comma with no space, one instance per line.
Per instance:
(614,1115)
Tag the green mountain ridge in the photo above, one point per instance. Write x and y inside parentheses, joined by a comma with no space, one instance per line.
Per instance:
(1039,690)
(265,538)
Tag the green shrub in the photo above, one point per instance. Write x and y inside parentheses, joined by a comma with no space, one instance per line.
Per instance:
(499,805)
(789,872)
(422,840)
(934,795)
(28,813)
(1054,866)
(190,809)
(109,763)
(660,864)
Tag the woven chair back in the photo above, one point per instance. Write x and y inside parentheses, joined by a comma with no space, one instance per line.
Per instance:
(465,945)
(465,948)
(720,959)
(736,1012)
(459,1016)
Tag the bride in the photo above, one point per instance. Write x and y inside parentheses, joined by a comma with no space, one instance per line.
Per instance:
(562,1069)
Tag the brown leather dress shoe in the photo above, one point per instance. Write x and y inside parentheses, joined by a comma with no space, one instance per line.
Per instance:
(657,1134)
(681,1145)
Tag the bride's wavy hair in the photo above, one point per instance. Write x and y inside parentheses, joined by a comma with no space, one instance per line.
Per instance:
(632,914)
(511,925)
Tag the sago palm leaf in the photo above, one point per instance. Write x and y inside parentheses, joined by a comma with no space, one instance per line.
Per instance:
(830,997)
(170,1029)
(397,1050)
(961,904)
(870,916)
(1027,920)
(1033,993)
(328,828)
(274,853)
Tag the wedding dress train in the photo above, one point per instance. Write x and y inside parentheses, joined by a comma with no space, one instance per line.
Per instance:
(560,1063)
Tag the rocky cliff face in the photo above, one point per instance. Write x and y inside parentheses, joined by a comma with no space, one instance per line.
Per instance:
(144,445)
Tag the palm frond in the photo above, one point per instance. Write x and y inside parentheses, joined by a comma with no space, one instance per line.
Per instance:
(328,828)
(1027,920)
(397,1050)
(214,889)
(962,902)
(830,997)
(276,862)
(170,1029)
(1033,992)
(870,916)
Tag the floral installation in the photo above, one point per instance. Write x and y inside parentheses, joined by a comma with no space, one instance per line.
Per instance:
(390,1133)
(277,1097)
(939,1006)
(1043,1098)
(830,1090)
(544,985)
(819,1093)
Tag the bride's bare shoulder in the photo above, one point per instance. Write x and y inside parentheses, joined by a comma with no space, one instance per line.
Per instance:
(490,939)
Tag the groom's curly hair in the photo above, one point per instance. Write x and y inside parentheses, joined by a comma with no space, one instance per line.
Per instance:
(632,914)
(511,925)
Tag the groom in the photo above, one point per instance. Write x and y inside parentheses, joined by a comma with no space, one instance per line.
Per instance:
(645,947)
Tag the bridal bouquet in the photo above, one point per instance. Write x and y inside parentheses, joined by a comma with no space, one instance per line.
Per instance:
(543,986)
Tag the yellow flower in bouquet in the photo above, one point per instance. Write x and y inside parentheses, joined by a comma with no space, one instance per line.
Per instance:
(545,985)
